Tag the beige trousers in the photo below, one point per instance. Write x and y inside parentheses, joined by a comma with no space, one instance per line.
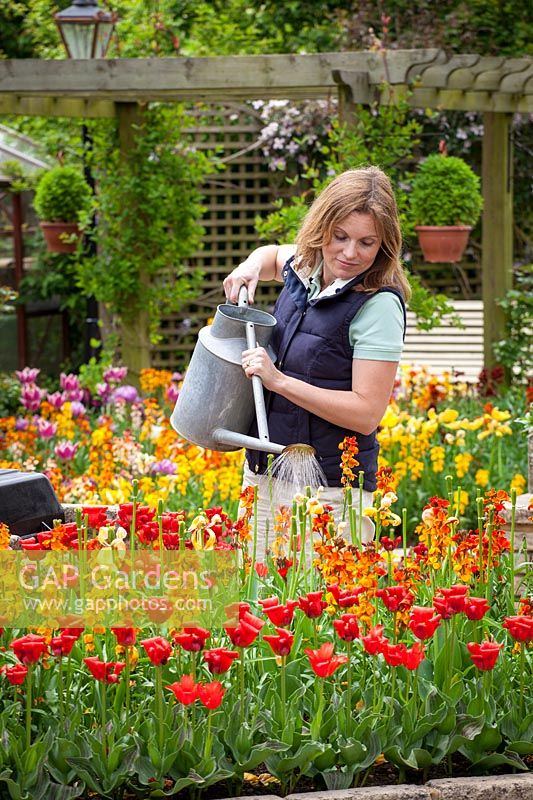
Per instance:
(282,495)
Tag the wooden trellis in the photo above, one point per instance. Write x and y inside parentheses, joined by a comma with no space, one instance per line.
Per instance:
(233,198)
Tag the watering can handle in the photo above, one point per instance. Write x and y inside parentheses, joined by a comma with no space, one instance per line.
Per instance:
(257,385)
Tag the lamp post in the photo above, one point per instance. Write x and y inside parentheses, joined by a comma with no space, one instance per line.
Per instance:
(86,31)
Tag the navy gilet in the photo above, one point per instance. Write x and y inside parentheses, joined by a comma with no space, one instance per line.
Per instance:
(312,343)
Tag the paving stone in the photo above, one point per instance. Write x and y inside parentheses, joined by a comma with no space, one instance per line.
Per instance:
(402,791)
(497,787)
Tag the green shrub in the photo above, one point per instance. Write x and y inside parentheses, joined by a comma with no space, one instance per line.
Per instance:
(63,195)
(445,191)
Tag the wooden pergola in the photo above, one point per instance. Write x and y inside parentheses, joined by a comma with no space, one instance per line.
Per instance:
(497,87)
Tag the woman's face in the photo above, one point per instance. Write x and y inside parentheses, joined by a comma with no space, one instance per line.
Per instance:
(353,247)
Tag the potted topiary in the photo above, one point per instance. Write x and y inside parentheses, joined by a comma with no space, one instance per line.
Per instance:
(446,203)
(63,201)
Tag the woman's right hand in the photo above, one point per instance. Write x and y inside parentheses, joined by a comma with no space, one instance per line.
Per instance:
(246,274)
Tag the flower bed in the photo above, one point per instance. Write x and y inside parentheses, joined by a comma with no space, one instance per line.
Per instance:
(413,651)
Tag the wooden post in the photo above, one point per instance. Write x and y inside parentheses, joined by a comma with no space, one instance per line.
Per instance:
(497,237)
(134,330)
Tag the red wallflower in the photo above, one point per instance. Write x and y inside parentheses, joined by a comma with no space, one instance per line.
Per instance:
(277,613)
(312,605)
(220,659)
(29,648)
(158,650)
(185,690)
(282,643)
(125,636)
(210,694)
(106,671)
(245,633)
(323,661)
(16,674)
(390,544)
(374,641)
(476,607)
(395,598)
(520,628)
(346,627)
(62,645)
(452,601)
(283,565)
(484,655)
(423,621)
(192,639)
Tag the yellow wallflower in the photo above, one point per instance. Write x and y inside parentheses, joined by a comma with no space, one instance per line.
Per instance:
(436,455)
(482,477)
(519,483)
(462,464)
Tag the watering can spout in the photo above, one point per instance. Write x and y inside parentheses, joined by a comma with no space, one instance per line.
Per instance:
(238,440)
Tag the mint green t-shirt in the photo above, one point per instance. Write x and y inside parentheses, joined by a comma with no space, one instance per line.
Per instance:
(376,331)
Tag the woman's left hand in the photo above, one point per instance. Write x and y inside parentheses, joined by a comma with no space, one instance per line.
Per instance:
(258,362)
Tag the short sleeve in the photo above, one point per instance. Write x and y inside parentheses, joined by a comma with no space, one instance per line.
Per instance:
(376,332)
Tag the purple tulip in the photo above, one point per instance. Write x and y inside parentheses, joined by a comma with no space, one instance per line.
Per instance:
(115,374)
(103,390)
(27,375)
(31,396)
(66,450)
(46,429)
(164,467)
(177,376)
(172,393)
(22,424)
(77,409)
(56,399)
(69,383)
(126,394)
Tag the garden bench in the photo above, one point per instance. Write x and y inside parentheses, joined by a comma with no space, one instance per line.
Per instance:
(446,347)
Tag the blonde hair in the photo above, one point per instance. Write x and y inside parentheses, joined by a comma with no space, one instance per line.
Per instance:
(366,191)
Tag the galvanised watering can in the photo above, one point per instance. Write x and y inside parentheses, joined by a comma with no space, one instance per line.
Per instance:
(217,402)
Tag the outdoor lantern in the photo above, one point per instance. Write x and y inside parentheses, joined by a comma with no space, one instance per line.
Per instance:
(85,29)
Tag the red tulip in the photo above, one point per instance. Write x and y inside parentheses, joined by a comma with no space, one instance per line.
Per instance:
(261,569)
(395,598)
(76,632)
(105,671)
(246,632)
(62,645)
(414,657)
(211,694)
(423,621)
(282,643)
(476,607)
(125,636)
(192,639)
(374,641)
(29,648)
(219,659)
(520,628)
(345,597)
(16,674)
(394,654)
(484,655)
(158,650)
(452,602)
(185,690)
(323,661)
(347,627)
(312,604)
(278,614)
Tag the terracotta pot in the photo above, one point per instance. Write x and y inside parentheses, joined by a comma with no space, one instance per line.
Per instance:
(59,236)
(443,244)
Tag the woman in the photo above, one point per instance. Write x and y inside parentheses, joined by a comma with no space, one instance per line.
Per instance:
(341,323)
